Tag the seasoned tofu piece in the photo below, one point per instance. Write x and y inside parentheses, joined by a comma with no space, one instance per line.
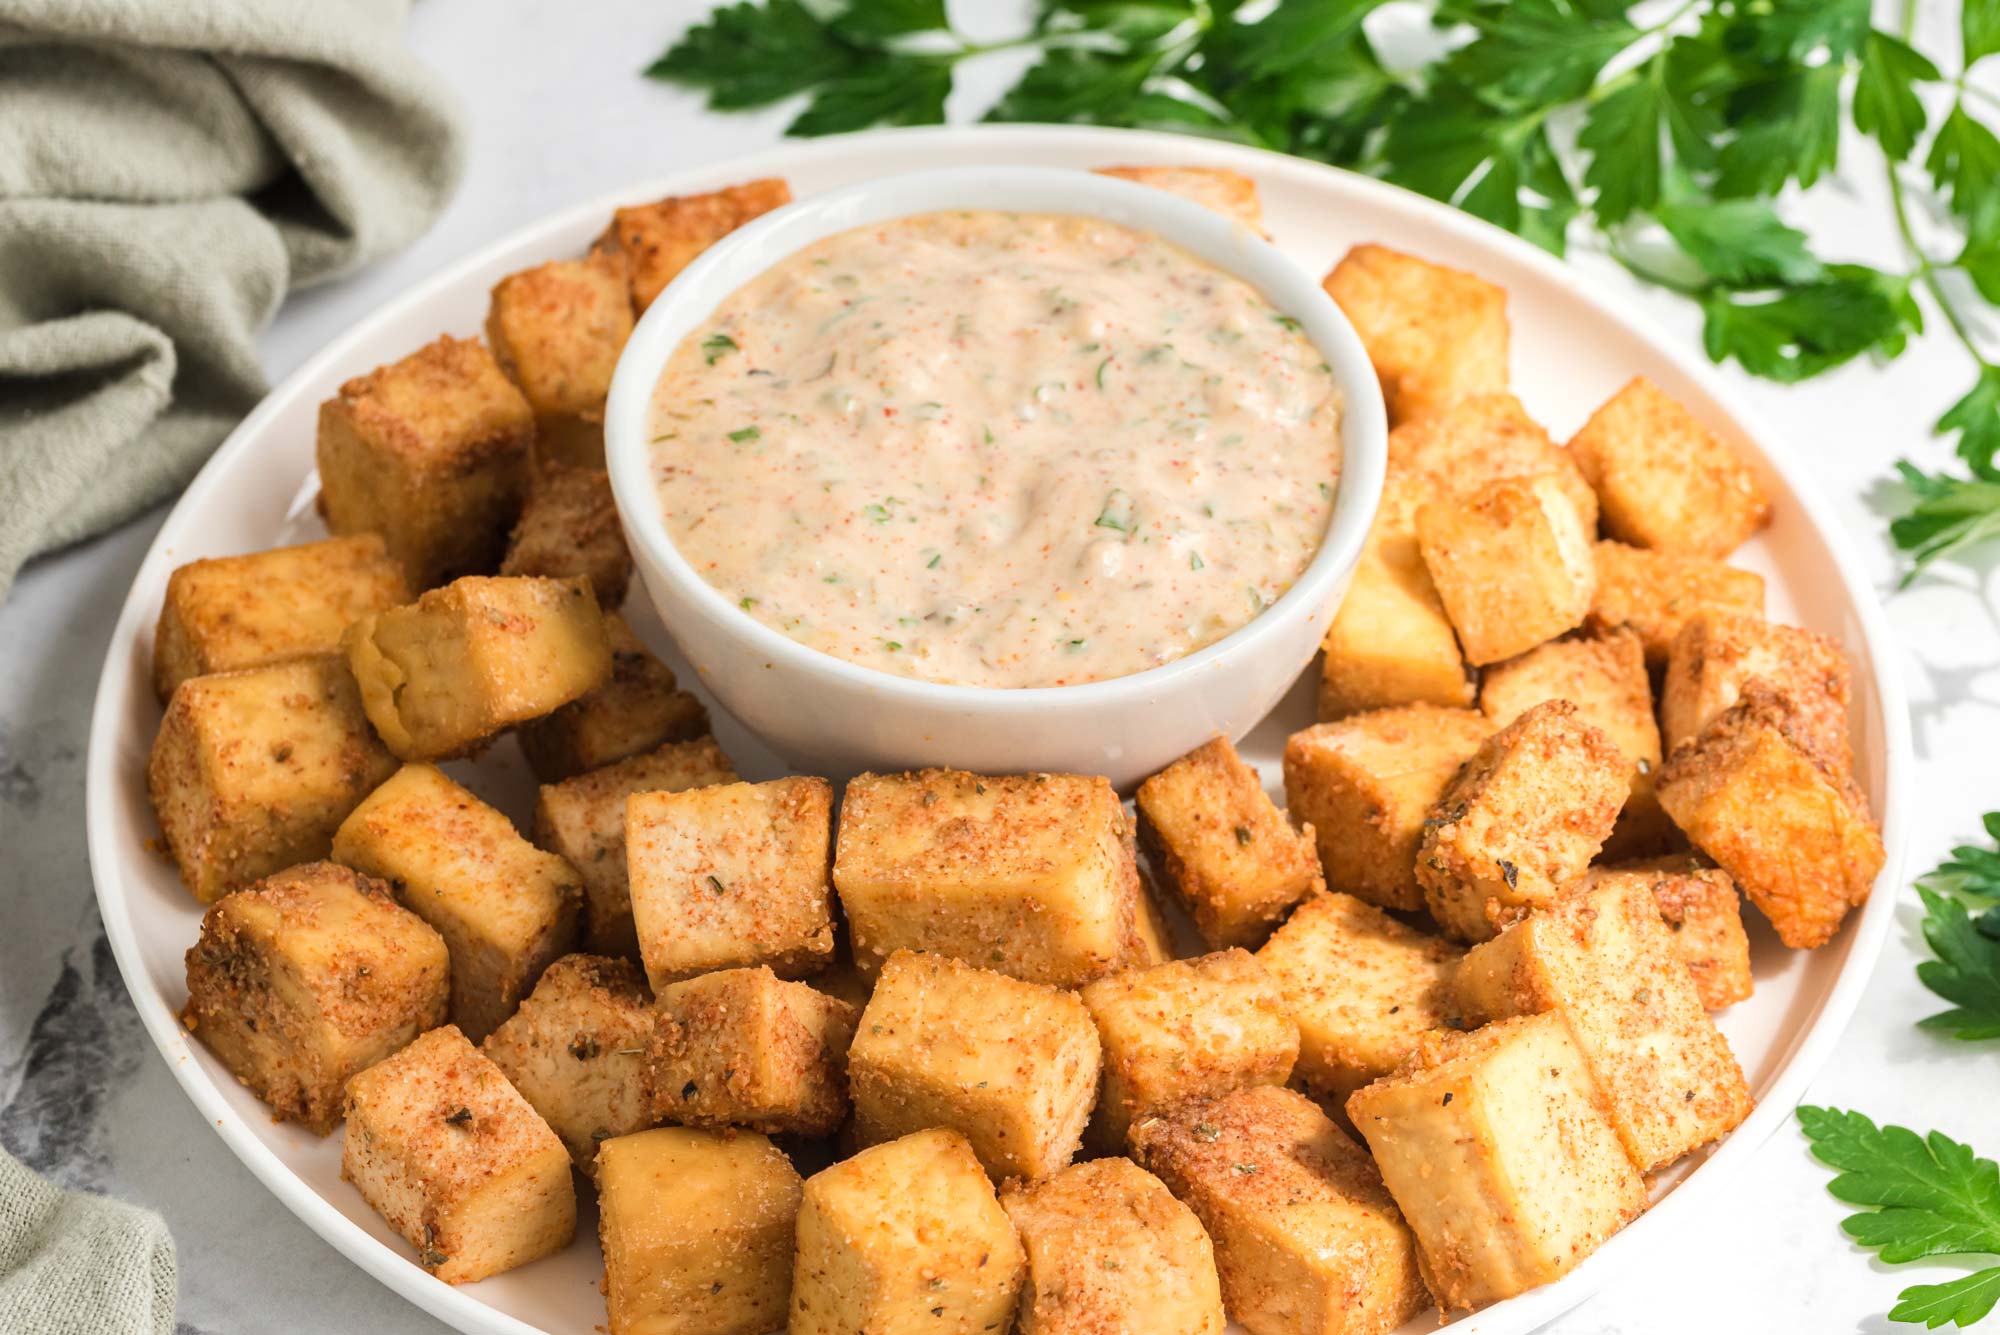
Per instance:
(557,330)
(305,978)
(1366,784)
(1111,1252)
(656,241)
(1700,906)
(1307,1240)
(905,1238)
(1512,564)
(1493,1144)
(1230,856)
(505,908)
(1029,874)
(1231,194)
(1715,656)
(234,612)
(432,453)
(1657,593)
(1473,442)
(1523,818)
(569,527)
(582,821)
(639,707)
(1390,642)
(1665,480)
(252,771)
(743,1047)
(1435,335)
(1012,1065)
(456,1161)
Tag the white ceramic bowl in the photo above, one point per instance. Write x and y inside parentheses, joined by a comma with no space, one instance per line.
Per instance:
(829,716)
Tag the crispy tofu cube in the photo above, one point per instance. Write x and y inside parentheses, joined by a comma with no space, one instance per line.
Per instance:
(305,978)
(505,908)
(1231,194)
(696,1229)
(582,821)
(1111,1252)
(1512,564)
(431,452)
(905,1238)
(1715,657)
(658,240)
(1012,1065)
(1230,856)
(638,708)
(252,771)
(1755,792)
(1700,906)
(1523,818)
(1473,442)
(1435,335)
(1366,784)
(569,527)
(556,330)
(743,1047)
(1664,480)
(1657,593)
(1390,642)
(1029,874)
(1307,1240)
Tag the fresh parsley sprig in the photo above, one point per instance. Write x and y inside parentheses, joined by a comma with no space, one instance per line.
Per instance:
(1962,927)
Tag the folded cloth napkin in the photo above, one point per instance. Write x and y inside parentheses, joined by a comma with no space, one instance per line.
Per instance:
(74,1264)
(168,169)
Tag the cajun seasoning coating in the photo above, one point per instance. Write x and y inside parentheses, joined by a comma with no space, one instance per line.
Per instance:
(743,1047)
(569,526)
(1390,642)
(1700,906)
(1657,593)
(1474,442)
(1231,194)
(1512,565)
(1435,335)
(557,330)
(638,708)
(656,241)
(1715,656)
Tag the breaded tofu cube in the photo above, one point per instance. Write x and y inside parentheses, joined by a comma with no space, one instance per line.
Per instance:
(1700,906)
(305,978)
(1602,959)
(1029,874)
(1231,194)
(252,771)
(744,1047)
(658,240)
(1512,565)
(1188,1029)
(504,907)
(1230,856)
(1366,784)
(1363,988)
(1473,442)
(1435,335)
(577,1051)
(1715,657)
(1390,642)
(639,707)
(235,612)
(1111,1252)
(1664,480)
(569,526)
(905,1238)
(557,330)
(1307,1240)
(1523,818)
(456,1160)
(1657,593)
(1012,1065)
(582,821)
(431,452)
(1494,1145)
(696,1229)
(1755,792)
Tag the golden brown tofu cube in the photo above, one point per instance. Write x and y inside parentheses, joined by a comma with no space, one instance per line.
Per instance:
(1231,194)
(1307,1240)
(569,527)
(1664,480)
(1390,642)
(557,330)
(1657,593)
(1700,906)
(638,708)
(743,1047)
(658,240)
(252,771)
(1111,1252)
(905,1238)
(504,907)
(1366,785)
(1435,335)
(456,1161)
(1715,657)
(1473,442)
(1512,564)
(431,452)
(305,978)
(1230,856)
(582,821)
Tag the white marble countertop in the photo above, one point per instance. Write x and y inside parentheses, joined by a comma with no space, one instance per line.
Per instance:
(560,115)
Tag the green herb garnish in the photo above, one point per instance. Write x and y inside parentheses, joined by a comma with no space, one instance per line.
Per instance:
(745,433)
(1962,927)
(717,345)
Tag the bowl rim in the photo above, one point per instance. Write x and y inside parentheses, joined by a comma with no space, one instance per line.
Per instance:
(752,250)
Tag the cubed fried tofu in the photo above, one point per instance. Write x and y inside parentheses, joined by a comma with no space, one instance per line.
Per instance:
(1366,785)
(557,330)
(639,707)
(1524,817)
(1390,642)
(1473,442)
(235,612)
(1435,335)
(505,908)
(1307,1240)
(305,978)
(569,526)
(431,452)
(905,1238)
(1111,1252)
(1664,480)
(696,1229)
(1657,593)
(456,1160)
(744,1047)
(1231,194)
(658,240)
(1700,906)
(252,771)
(1715,657)
(1512,564)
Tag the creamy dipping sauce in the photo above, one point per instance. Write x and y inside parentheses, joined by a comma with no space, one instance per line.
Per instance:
(997,449)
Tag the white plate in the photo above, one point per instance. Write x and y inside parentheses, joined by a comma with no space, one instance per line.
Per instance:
(1572,348)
